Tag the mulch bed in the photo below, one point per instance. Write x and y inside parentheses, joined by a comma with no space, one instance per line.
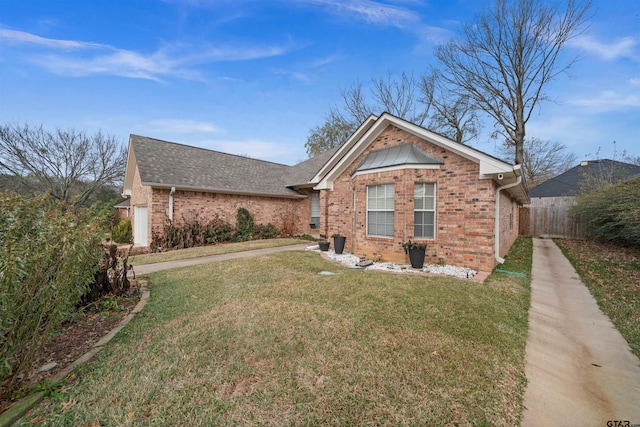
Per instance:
(75,339)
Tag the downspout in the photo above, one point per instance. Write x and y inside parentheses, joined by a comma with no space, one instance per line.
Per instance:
(496,243)
(171,193)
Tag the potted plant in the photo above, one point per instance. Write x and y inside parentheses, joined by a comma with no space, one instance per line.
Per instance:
(324,245)
(416,253)
(338,242)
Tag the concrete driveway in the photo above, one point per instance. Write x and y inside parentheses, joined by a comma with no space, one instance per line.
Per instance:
(580,369)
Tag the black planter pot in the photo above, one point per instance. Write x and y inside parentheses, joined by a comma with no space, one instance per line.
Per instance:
(324,246)
(338,243)
(416,256)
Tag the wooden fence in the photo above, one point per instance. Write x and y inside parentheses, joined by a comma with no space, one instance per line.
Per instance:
(550,217)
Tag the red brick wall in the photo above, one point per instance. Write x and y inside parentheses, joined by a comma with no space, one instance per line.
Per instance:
(464,207)
(205,206)
(508,222)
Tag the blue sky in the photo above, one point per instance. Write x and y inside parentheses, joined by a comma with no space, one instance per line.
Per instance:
(252,77)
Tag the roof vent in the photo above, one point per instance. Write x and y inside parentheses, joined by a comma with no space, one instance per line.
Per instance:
(584,163)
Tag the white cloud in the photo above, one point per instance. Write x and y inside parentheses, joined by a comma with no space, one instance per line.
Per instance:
(20,37)
(181,126)
(79,58)
(371,11)
(634,82)
(622,48)
(608,100)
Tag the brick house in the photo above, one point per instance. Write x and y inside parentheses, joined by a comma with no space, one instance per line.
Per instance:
(391,181)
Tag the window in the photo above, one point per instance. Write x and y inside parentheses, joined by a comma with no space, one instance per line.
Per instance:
(315,210)
(424,205)
(380,210)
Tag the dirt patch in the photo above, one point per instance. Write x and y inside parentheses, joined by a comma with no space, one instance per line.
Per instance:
(75,339)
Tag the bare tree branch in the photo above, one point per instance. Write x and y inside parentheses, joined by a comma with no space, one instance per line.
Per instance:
(69,164)
(543,159)
(507,58)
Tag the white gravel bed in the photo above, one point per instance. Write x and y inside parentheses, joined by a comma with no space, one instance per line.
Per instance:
(448,270)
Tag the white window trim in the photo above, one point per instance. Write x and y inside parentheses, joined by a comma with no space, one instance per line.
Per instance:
(435,219)
(381,210)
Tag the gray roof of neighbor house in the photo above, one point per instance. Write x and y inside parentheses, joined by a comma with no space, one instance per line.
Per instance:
(570,182)
(168,164)
(405,154)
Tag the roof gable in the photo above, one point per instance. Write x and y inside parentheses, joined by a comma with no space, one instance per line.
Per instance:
(490,167)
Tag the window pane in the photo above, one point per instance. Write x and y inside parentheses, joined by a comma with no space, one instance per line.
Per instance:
(424,224)
(429,203)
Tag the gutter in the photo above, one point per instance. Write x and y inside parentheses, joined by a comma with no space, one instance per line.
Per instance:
(171,193)
(496,242)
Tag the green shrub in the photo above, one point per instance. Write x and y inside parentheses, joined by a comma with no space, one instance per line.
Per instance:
(269,231)
(244,225)
(48,257)
(612,212)
(122,231)
(219,231)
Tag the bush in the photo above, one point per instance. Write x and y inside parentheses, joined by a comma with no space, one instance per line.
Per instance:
(48,257)
(612,212)
(244,225)
(219,231)
(269,231)
(122,231)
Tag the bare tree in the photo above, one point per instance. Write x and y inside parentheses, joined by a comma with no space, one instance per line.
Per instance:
(454,115)
(507,57)
(543,159)
(70,165)
(331,134)
(401,97)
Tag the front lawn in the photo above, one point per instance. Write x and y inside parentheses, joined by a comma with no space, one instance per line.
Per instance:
(612,274)
(269,341)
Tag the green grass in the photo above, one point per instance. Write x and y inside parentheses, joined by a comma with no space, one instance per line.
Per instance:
(270,342)
(224,248)
(612,274)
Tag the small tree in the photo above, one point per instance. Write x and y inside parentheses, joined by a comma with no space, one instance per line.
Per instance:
(611,212)
(69,165)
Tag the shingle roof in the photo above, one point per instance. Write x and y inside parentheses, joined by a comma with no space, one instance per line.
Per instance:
(168,164)
(570,182)
(405,154)
(302,173)
(123,204)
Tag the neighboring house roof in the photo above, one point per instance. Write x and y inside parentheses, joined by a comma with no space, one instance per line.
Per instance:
(570,182)
(126,203)
(405,154)
(164,164)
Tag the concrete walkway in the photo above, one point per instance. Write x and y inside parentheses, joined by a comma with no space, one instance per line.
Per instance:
(580,369)
(152,268)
